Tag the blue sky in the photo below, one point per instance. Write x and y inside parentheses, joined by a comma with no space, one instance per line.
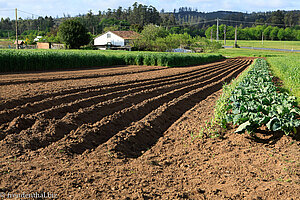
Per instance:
(74,7)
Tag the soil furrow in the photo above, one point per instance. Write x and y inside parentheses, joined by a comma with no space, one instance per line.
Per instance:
(88,138)
(19,123)
(74,78)
(152,147)
(141,135)
(35,137)
(123,85)
(8,115)
(161,87)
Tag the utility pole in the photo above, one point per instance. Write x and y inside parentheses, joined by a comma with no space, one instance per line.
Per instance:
(235,38)
(262,38)
(17,45)
(211,31)
(225,35)
(217,29)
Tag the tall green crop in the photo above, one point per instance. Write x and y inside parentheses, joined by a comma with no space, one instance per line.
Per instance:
(25,60)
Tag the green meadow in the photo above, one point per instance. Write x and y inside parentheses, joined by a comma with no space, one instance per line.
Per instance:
(295,45)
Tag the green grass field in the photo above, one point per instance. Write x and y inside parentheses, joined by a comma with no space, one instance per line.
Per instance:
(232,52)
(287,68)
(295,45)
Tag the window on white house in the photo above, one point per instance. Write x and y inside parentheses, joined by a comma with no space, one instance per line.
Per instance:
(108,35)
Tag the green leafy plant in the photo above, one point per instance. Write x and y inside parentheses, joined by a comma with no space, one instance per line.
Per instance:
(255,102)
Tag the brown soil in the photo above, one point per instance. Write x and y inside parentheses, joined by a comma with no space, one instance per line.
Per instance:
(134,133)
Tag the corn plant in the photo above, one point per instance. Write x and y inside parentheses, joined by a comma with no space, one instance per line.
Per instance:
(25,60)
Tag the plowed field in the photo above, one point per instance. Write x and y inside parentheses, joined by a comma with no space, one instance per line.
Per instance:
(125,132)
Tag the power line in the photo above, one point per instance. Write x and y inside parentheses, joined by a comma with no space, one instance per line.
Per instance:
(190,24)
(29,13)
(22,12)
(7,10)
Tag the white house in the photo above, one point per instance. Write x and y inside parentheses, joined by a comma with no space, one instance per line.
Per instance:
(115,39)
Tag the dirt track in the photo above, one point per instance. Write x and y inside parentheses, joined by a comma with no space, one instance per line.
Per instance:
(126,132)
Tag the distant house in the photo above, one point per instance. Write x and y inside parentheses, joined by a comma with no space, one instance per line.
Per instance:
(115,40)
(20,43)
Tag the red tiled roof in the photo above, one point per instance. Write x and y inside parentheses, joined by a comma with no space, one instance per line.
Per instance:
(126,34)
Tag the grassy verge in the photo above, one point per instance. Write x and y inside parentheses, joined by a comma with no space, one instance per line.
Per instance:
(295,45)
(25,60)
(254,53)
(288,69)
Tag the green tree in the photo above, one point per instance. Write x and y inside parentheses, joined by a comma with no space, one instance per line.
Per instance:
(208,32)
(273,33)
(151,32)
(277,18)
(73,33)
(288,34)
(148,36)
(297,34)
(267,32)
(281,34)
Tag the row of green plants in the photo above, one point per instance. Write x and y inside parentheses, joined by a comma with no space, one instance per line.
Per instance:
(255,102)
(26,60)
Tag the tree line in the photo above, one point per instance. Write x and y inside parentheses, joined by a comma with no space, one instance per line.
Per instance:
(183,20)
(279,18)
(158,38)
(255,32)
(151,38)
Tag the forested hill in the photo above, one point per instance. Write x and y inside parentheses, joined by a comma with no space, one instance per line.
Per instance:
(280,18)
(136,17)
